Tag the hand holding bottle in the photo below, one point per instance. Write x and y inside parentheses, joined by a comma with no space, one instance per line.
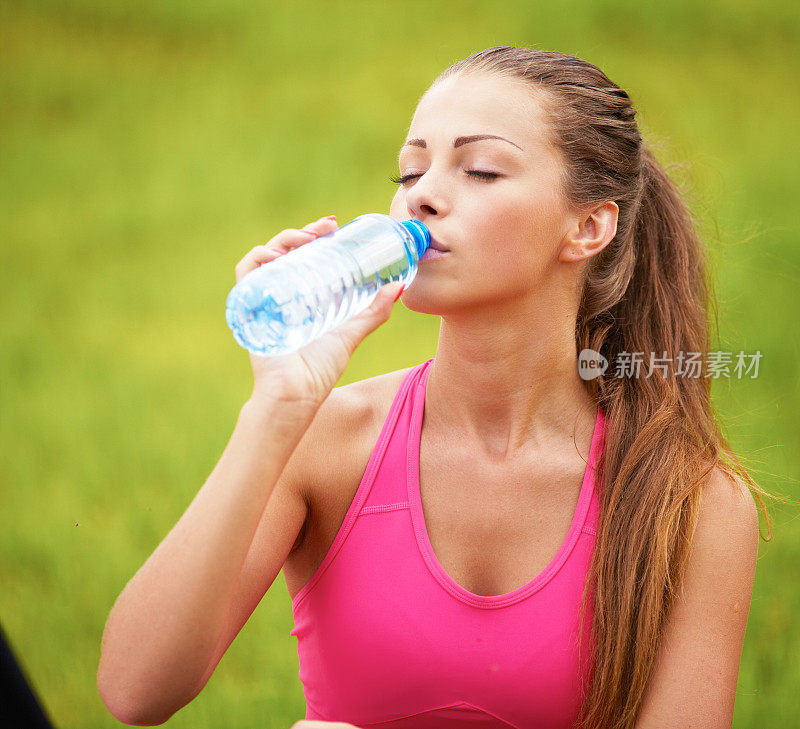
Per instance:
(310,373)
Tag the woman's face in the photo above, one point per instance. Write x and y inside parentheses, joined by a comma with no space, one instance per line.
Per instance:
(493,203)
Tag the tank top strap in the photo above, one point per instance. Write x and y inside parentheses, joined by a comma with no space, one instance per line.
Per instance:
(591,525)
(389,454)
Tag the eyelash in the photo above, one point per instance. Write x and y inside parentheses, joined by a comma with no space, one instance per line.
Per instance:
(480,174)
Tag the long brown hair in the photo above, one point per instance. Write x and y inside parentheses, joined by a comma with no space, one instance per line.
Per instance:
(647,291)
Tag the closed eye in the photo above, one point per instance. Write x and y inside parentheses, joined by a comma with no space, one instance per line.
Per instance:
(479,174)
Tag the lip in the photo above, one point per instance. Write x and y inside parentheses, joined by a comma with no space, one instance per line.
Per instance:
(431,254)
(437,246)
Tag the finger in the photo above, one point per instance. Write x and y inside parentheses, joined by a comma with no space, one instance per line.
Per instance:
(316,228)
(256,257)
(292,238)
(282,243)
(322,226)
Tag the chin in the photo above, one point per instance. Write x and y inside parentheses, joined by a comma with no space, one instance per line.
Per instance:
(424,300)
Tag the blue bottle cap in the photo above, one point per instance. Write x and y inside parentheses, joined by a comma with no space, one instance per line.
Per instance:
(422,236)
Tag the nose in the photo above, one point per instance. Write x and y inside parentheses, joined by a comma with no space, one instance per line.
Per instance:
(427,196)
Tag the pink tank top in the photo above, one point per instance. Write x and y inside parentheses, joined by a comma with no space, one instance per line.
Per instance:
(385,638)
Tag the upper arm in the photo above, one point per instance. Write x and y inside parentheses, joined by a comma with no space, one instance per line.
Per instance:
(694,677)
(280,529)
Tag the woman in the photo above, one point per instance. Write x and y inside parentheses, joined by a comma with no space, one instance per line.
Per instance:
(487,538)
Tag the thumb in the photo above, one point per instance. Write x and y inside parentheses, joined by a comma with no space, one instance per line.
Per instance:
(356,329)
(384,301)
(387,296)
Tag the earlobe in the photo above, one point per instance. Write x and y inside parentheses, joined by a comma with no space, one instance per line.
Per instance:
(570,252)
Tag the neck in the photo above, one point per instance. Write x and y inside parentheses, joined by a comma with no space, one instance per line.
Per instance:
(508,380)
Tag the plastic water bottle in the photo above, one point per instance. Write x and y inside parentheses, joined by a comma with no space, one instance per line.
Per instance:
(286,303)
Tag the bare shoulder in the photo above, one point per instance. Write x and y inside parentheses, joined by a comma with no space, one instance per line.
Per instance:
(351,411)
(363,400)
(348,407)
(725,541)
(728,511)
(371,385)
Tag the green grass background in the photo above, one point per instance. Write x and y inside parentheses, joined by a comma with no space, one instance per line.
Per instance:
(146,147)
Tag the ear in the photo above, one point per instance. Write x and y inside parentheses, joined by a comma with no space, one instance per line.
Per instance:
(590,233)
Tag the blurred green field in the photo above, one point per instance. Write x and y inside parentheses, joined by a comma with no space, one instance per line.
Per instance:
(145,148)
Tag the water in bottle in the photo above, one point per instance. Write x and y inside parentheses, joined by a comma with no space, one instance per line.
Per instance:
(283,305)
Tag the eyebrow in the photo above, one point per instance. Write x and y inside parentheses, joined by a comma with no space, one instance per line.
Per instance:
(461,140)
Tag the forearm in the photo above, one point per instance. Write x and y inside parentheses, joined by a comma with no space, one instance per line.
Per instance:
(165,625)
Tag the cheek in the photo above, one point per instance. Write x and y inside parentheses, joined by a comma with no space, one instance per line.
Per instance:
(514,229)
(526,233)
(539,221)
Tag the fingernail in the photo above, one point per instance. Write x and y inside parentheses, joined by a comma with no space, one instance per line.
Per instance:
(330,217)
